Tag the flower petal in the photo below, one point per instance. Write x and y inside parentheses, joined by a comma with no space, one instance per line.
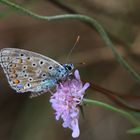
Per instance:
(76,131)
(66,100)
(86,85)
(77,75)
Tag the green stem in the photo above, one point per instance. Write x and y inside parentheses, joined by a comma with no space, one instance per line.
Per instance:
(125,114)
(85,19)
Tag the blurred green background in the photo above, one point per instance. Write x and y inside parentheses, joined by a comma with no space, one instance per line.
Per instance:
(22,118)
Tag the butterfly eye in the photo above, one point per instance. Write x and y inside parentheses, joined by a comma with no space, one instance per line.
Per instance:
(68,68)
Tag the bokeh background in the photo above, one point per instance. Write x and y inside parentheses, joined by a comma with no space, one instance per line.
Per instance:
(22,118)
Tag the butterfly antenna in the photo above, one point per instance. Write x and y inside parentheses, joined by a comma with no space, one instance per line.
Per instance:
(77,40)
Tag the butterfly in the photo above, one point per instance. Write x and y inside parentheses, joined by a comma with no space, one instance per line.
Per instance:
(33,72)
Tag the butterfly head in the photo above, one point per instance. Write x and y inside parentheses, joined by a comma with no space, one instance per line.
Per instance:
(68,68)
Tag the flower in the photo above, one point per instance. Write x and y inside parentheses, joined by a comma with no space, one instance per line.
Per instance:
(66,100)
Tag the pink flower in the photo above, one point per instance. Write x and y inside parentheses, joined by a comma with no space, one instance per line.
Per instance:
(66,100)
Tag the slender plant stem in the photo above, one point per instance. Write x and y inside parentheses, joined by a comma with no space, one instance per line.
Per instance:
(125,114)
(119,99)
(82,18)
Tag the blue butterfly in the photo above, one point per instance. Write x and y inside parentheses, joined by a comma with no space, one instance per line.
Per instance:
(30,71)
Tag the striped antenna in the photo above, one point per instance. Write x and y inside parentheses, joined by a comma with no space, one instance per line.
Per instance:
(69,54)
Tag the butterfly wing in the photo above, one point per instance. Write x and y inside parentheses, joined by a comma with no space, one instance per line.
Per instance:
(28,71)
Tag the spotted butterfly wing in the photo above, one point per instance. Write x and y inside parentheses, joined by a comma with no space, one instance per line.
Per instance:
(29,71)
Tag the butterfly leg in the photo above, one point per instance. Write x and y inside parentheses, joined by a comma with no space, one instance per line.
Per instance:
(40,93)
(35,95)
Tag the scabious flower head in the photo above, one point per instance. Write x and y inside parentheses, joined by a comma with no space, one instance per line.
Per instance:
(66,100)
